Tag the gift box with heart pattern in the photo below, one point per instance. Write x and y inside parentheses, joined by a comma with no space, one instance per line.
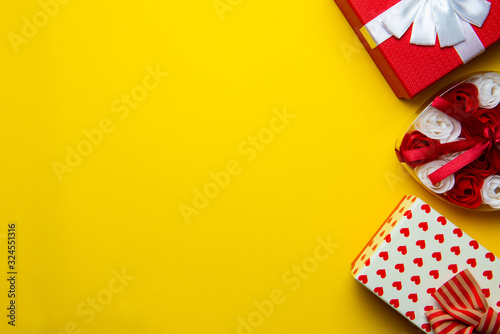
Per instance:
(416,251)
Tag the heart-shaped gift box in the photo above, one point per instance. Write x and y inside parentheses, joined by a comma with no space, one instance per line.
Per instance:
(453,146)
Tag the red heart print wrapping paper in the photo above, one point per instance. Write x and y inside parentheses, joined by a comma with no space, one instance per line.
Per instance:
(417,250)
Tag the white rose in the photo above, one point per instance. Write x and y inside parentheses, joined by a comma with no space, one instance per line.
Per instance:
(436,124)
(430,167)
(490,192)
(489,89)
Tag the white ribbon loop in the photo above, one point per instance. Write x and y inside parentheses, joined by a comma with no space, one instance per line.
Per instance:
(473,11)
(448,26)
(401,17)
(424,29)
(430,17)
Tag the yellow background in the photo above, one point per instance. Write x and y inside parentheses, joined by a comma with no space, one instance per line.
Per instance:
(330,172)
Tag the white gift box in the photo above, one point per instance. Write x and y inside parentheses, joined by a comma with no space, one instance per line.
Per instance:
(416,251)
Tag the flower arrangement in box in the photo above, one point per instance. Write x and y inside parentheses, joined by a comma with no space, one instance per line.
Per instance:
(453,147)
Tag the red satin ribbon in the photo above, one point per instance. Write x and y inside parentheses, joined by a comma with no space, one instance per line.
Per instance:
(484,140)
(465,309)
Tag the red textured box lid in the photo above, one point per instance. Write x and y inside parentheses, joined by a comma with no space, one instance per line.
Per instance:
(409,68)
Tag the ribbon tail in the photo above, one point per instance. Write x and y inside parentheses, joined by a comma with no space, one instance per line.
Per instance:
(442,322)
(424,29)
(473,124)
(490,322)
(449,29)
(434,151)
(459,162)
(472,46)
(473,11)
(400,17)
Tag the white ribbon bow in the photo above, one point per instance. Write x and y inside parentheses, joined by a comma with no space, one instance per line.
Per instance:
(429,17)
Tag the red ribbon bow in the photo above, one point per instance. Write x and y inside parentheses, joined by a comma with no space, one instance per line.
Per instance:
(464,308)
(483,140)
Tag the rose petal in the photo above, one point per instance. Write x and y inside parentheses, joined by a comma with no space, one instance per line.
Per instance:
(489,89)
(436,124)
(430,167)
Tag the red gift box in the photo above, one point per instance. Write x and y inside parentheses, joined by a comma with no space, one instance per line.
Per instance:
(410,68)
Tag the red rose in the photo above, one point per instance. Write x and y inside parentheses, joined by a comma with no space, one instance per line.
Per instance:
(465,96)
(412,141)
(490,117)
(483,166)
(467,189)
